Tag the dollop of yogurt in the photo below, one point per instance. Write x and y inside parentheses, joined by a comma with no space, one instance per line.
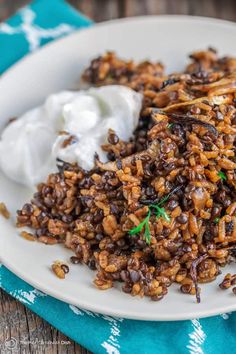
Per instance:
(30,145)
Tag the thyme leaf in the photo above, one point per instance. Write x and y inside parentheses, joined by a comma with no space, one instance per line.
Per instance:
(147,233)
(216,220)
(139,228)
(159,212)
(222,176)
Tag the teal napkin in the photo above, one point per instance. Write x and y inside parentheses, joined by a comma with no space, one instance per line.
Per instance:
(36,25)
(29,29)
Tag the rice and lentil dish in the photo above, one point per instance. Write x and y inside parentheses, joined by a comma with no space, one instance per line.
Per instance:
(163,208)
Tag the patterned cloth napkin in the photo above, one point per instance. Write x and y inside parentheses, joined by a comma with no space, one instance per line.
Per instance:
(30,28)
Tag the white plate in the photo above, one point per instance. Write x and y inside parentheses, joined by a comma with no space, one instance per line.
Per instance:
(59,65)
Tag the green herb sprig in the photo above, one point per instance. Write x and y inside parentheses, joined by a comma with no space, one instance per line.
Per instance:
(158,211)
(170,125)
(144,224)
(222,176)
(216,220)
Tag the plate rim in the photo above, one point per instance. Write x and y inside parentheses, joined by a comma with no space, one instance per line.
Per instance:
(83,304)
(94,26)
(111,312)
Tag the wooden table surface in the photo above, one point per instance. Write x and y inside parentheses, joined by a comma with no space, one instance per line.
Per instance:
(101,10)
(15,319)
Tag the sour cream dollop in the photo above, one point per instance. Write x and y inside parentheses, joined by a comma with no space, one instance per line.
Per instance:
(30,145)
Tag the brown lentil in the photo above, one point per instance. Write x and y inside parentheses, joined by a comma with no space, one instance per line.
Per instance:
(226,283)
(75,260)
(65,268)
